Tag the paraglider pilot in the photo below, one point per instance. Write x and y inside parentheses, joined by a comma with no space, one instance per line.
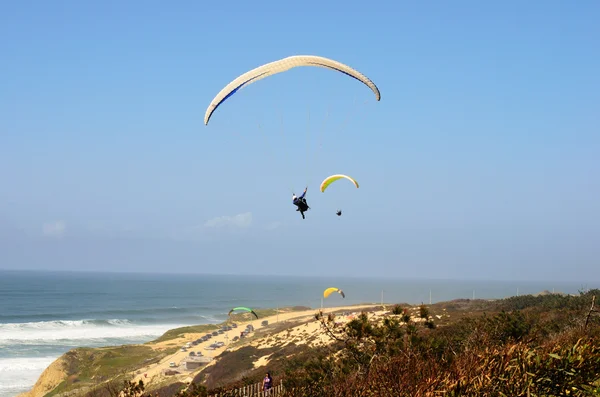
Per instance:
(300,202)
(338,212)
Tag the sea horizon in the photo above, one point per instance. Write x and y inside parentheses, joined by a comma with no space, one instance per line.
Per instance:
(361,277)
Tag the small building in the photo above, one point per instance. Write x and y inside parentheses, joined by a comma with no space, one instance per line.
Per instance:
(192,363)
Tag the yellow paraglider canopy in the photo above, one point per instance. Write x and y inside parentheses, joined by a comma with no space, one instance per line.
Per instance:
(330,179)
(328,292)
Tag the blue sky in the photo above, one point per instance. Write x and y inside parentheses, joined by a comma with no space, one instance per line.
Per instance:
(480,161)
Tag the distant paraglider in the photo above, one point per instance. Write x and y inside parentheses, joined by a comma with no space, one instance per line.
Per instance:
(330,179)
(330,290)
(244,309)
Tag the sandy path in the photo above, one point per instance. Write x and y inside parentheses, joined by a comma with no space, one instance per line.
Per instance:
(154,372)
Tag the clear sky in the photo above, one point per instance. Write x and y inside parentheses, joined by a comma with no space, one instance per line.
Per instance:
(482,159)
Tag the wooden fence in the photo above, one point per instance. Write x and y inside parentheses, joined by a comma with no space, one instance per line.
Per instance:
(254,390)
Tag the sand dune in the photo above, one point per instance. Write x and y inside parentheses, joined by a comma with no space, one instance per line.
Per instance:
(155,373)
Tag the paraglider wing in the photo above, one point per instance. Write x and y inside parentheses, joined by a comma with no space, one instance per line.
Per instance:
(245,309)
(330,179)
(328,292)
(284,65)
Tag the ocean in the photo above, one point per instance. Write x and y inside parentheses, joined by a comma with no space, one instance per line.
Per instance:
(44,314)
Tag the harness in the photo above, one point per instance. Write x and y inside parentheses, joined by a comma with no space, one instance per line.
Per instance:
(302,205)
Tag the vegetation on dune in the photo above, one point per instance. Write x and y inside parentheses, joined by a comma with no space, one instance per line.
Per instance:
(87,367)
(550,347)
(236,369)
(262,313)
(180,332)
(547,301)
